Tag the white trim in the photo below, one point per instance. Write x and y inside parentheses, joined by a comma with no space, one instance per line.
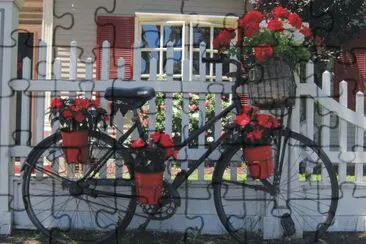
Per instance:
(210,19)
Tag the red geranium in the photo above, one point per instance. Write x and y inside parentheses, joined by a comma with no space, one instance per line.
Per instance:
(262,52)
(56,103)
(138,143)
(67,114)
(280,12)
(306,31)
(295,20)
(260,35)
(257,127)
(251,17)
(165,141)
(224,38)
(77,114)
(275,25)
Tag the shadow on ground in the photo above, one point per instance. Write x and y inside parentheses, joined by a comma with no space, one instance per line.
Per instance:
(33,237)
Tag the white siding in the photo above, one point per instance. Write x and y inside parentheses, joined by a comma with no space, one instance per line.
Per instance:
(84,28)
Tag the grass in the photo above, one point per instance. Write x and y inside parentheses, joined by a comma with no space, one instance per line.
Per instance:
(191,236)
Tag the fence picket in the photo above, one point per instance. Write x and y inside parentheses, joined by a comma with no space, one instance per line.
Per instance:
(137,61)
(359,138)
(121,69)
(343,130)
(89,74)
(310,102)
(152,103)
(169,99)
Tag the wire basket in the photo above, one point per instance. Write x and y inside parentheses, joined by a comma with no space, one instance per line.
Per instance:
(274,85)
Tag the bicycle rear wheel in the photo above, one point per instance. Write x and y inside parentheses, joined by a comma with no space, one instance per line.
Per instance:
(66,209)
(306,192)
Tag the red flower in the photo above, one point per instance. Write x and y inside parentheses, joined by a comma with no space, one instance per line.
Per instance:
(262,52)
(207,103)
(56,103)
(242,119)
(306,31)
(75,108)
(267,121)
(223,38)
(275,25)
(166,141)
(251,29)
(253,16)
(155,137)
(138,143)
(96,103)
(79,117)
(280,12)
(82,102)
(67,114)
(295,20)
(255,135)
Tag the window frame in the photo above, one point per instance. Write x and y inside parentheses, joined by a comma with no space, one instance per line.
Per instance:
(188,22)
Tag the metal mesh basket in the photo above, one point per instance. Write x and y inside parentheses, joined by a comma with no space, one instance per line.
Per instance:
(274,85)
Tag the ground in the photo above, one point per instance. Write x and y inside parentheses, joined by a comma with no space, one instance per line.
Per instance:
(33,237)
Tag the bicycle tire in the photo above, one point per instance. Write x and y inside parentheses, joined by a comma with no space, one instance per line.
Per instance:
(241,208)
(64,216)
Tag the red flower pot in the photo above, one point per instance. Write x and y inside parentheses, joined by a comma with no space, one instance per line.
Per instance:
(75,146)
(259,161)
(149,186)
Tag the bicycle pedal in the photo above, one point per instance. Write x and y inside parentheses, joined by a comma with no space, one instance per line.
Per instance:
(288,225)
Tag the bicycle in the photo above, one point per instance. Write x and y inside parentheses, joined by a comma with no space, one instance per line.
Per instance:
(87,206)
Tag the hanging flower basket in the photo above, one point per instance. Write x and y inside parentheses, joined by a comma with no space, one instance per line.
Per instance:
(150,156)
(274,86)
(75,146)
(259,161)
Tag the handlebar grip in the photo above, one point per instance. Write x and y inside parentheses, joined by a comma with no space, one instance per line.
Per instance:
(213,60)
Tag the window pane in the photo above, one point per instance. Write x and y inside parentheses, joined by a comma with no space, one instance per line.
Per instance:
(150,36)
(146,56)
(201,34)
(177,66)
(173,34)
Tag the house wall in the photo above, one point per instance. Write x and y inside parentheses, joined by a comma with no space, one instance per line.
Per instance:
(75,20)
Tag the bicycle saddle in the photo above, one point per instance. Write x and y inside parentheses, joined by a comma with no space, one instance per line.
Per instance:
(129,98)
(138,93)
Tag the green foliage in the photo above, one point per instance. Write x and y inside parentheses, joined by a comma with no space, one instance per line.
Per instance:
(179,108)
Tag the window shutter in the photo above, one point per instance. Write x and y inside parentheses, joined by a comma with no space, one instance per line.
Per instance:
(352,68)
(119,32)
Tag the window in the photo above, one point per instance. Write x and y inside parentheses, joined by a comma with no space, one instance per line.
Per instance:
(185,32)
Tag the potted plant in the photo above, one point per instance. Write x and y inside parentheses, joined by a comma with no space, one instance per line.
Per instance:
(150,156)
(76,117)
(275,44)
(257,134)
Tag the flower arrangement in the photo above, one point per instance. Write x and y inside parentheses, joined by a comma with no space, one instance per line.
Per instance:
(151,154)
(257,127)
(280,33)
(77,114)
(158,140)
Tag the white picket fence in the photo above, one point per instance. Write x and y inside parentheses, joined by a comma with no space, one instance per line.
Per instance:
(349,131)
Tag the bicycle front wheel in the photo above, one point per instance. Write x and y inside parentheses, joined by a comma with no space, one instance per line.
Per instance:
(301,194)
(67,208)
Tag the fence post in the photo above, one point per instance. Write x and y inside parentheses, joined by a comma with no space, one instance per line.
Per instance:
(8,55)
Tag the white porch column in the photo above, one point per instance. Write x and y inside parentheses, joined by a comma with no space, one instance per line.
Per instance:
(8,57)
(47,37)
